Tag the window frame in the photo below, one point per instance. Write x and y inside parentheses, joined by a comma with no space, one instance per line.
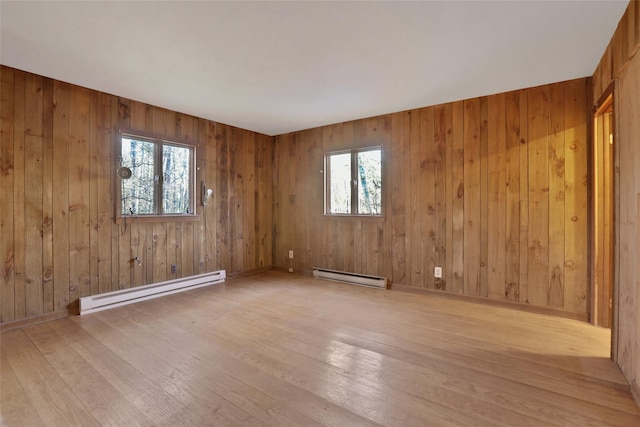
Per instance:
(355,182)
(158,215)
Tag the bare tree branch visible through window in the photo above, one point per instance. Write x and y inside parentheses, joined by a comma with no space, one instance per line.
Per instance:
(354,182)
(160,181)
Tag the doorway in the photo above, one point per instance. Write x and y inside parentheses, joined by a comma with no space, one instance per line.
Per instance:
(603,213)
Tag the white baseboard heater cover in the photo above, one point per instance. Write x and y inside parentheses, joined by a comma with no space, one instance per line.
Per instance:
(352,278)
(113,299)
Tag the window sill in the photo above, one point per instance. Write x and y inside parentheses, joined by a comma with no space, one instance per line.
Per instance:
(355,217)
(131,219)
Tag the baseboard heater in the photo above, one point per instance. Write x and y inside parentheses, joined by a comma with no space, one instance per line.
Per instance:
(113,299)
(352,278)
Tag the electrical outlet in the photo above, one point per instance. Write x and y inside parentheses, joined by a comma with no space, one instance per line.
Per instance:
(290,254)
(290,270)
(174,268)
(437,272)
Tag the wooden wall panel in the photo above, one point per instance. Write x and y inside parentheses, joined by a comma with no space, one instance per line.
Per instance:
(620,64)
(474,186)
(624,44)
(395,207)
(576,191)
(57,198)
(484,199)
(208,179)
(413,195)
(7,173)
(457,199)
(555,292)
(33,195)
(427,180)
(513,146)
(105,165)
(47,198)
(538,168)
(19,231)
(472,197)
(523,288)
(196,253)
(264,201)
(627,108)
(79,202)
(60,182)
(443,188)
(496,197)
(94,131)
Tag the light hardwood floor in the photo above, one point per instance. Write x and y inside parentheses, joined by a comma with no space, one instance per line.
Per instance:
(285,350)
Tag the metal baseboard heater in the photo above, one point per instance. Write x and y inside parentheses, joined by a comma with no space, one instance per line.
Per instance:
(351,278)
(122,297)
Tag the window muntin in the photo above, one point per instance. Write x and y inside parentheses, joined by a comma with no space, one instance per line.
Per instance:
(353,182)
(161,181)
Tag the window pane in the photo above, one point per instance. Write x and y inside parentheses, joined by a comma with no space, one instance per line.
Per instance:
(369,182)
(340,183)
(175,188)
(138,191)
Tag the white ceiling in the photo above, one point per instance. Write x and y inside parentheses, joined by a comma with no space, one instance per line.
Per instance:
(276,67)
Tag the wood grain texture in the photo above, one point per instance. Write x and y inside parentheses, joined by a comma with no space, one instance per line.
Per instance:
(53,399)
(470,190)
(428,207)
(523,288)
(412,237)
(397,208)
(94,130)
(285,350)
(484,199)
(60,183)
(496,198)
(418,259)
(472,197)
(79,185)
(57,201)
(18,195)
(457,196)
(445,130)
(620,64)
(512,208)
(7,176)
(47,198)
(555,292)
(576,208)
(624,44)
(626,108)
(538,145)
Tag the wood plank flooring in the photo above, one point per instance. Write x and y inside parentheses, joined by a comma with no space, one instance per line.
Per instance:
(284,350)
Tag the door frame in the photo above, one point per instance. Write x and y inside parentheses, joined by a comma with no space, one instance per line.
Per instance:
(601,107)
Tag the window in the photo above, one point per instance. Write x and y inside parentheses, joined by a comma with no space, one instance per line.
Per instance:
(353,182)
(156,177)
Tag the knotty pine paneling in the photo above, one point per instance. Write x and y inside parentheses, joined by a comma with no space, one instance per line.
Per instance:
(624,44)
(57,180)
(620,65)
(493,189)
(627,109)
